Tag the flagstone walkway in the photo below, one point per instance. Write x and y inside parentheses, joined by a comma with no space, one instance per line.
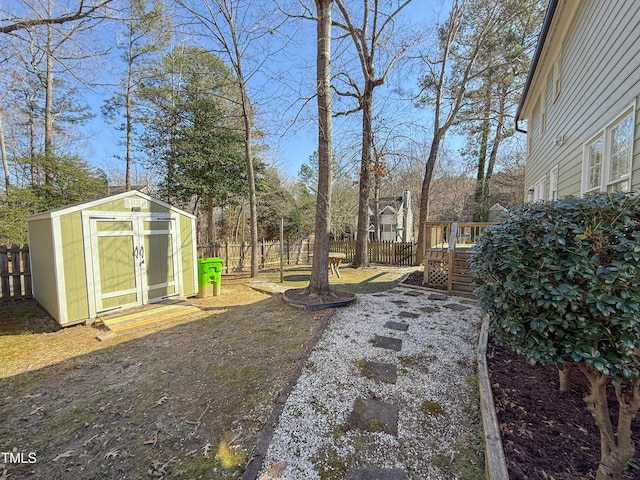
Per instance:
(385,393)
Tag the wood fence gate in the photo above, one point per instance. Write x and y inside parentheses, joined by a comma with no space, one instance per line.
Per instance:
(15,273)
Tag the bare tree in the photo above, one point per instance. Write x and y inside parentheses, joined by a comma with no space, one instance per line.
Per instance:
(12,21)
(236,26)
(450,73)
(51,52)
(506,59)
(319,283)
(373,34)
(147,31)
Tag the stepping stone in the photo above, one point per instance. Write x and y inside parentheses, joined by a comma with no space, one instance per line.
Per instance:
(413,293)
(387,342)
(378,474)
(428,309)
(408,315)
(438,296)
(400,302)
(374,416)
(457,306)
(400,326)
(380,295)
(384,372)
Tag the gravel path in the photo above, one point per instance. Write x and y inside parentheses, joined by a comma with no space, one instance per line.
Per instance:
(338,421)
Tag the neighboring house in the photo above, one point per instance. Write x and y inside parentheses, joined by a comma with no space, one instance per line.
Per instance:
(394,220)
(580,101)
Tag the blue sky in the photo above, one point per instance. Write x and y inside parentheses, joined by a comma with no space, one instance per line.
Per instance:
(288,151)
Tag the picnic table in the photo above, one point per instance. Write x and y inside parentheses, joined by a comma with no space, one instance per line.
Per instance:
(335,259)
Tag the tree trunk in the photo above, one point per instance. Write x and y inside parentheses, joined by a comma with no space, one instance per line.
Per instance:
(424,195)
(32,145)
(564,377)
(128,120)
(361,256)
(253,213)
(479,213)
(210,221)
(616,448)
(376,207)
(5,162)
(319,283)
(48,113)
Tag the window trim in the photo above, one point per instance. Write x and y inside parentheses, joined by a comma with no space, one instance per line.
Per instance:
(605,169)
(539,189)
(553,183)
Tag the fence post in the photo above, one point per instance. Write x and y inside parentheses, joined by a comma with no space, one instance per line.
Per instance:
(26,263)
(4,272)
(16,270)
(226,255)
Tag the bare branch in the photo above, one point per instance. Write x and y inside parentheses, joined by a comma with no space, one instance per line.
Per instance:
(83,11)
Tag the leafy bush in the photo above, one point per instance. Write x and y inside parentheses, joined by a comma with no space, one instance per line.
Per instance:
(561,284)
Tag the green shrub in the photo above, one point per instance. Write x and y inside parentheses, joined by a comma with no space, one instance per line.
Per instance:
(560,282)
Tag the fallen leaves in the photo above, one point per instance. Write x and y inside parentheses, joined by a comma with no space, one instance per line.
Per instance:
(67,454)
(206,449)
(35,409)
(153,439)
(159,469)
(113,453)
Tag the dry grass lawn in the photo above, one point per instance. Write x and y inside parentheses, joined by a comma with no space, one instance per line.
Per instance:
(184,399)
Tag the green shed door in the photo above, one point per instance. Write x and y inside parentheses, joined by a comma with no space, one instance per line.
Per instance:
(134,260)
(160,255)
(116,269)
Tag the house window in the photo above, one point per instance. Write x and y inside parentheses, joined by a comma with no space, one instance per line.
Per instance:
(538,190)
(620,149)
(557,67)
(608,157)
(594,164)
(553,184)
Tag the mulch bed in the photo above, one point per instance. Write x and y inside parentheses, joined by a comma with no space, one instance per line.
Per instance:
(299,297)
(546,434)
(416,278)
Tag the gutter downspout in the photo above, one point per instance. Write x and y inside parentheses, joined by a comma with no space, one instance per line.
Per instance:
(546,25)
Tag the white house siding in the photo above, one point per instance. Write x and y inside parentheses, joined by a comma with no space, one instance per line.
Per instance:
(600,77)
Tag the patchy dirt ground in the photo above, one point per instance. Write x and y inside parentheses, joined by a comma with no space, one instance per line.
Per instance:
(188,400)
(546,434)
(184,399)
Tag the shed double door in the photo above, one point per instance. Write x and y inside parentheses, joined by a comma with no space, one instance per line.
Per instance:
(134,260)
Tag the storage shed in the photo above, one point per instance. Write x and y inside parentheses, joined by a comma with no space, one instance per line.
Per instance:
(112,253)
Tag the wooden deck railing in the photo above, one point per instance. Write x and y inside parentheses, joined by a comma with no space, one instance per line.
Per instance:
(446,254)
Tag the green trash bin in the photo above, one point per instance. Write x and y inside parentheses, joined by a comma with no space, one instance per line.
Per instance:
(209,276)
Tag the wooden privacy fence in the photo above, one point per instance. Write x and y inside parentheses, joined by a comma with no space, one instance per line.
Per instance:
(385,253)
(15,272)
(237,256)
(446,255)
(15,266)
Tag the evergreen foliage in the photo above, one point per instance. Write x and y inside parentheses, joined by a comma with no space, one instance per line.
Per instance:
(561,284)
